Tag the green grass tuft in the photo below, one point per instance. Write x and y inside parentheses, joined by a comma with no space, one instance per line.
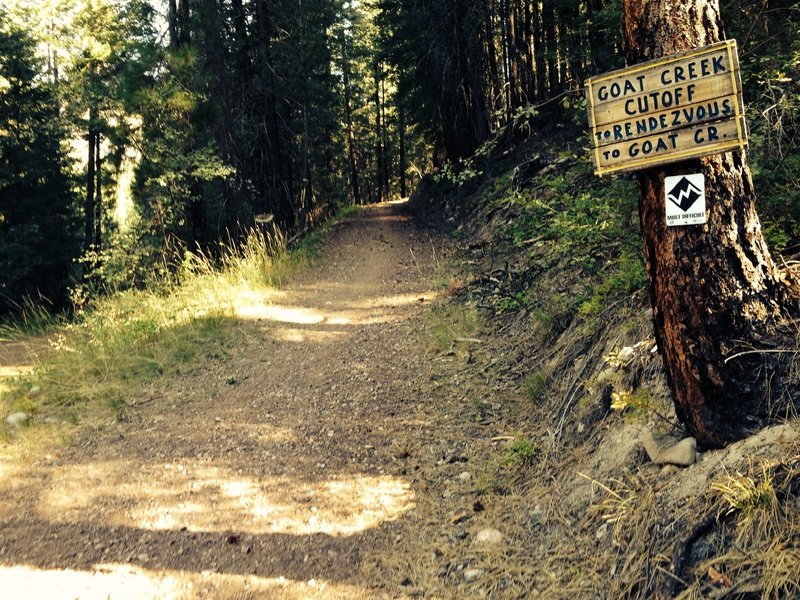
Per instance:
(448,323)
(535,383)
(521,453)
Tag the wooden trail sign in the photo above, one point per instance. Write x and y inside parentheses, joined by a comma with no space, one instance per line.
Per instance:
(678,107)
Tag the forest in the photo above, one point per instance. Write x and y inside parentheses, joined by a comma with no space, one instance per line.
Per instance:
(134,131)
(336,299)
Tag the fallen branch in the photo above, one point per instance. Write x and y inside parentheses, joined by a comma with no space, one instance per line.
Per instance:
(746,352)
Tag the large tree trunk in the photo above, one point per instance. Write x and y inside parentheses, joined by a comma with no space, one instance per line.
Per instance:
(348,112)
(214,49)
(98,194)
(271,148)
(401,126)
(378,134)
(714,287)
(88,209)
(172,23)
(539,53)
(242,42)
(493,79)
(551,52)
(184,23)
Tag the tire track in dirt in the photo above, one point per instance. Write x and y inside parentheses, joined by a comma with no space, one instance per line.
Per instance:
(279,471)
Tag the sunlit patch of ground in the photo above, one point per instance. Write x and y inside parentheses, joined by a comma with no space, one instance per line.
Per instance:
(292,314)
(304,336)
(394,301)
(203,498)
(126,582)
(8,371)
(370,311)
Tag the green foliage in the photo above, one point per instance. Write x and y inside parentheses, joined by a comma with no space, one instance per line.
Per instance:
(770,56)
(637,405)
(589,228)
(38,237)
(522,452)
(29,318)
(121,346)
(458,173)
(622,276)
(535,383)
(747,494)
(451,323)
(516,301)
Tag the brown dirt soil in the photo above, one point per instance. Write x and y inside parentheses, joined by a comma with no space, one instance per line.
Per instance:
(310,463)
(340,450)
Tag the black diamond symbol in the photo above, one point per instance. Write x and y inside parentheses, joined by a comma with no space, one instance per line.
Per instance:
(684,194)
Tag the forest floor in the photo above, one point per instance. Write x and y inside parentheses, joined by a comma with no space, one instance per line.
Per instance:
(371,432)
(315,460)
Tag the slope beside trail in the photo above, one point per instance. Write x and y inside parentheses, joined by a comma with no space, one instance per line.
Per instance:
(310,462)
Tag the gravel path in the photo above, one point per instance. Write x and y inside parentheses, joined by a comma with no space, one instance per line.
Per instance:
(282,470)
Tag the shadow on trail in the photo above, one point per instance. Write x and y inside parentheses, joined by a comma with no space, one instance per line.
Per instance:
(288,460)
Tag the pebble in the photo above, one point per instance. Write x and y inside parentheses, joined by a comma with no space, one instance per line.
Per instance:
(472,574)
(489,536)
(465,476)
(17,420)
(667,450)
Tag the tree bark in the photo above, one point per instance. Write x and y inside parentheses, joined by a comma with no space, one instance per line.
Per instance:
(551,52)
(214,49)
(98,194)
(515,57)
(242,42)
(172,23)
(378,133)
(528,86)
(348,112)
(539,52)
(184,26)
(385,142)
(401,125)
(89,210)
(493,79)
(714,288)
(279,197)
(506,46)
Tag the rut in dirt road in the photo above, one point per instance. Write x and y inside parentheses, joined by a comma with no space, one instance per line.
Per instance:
(276,472)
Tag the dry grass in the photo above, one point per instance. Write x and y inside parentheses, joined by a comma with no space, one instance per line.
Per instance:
(112,351)
(760,553)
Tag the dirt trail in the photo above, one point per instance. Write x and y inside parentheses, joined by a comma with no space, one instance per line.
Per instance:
(296,467)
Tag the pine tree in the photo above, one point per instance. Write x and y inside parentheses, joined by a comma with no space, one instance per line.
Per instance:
(716,287)
(38,237)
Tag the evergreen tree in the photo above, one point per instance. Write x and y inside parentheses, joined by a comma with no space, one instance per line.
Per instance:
(713,288)
(38,237)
